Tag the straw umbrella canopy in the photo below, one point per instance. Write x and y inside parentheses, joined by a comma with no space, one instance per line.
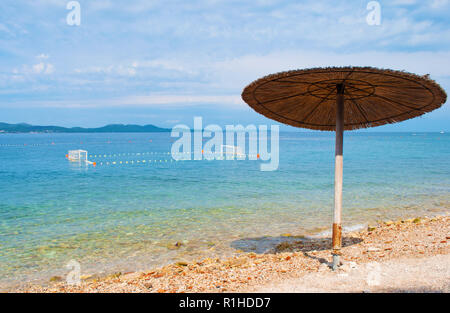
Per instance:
(342,98)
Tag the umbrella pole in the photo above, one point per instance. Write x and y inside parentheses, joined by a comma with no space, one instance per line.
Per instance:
(337,226)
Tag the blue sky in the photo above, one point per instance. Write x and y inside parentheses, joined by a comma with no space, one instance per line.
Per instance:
(163,62)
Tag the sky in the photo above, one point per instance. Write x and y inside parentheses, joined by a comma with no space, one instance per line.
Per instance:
(163,62)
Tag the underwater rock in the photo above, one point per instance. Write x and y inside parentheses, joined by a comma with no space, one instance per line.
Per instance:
(55,278)
(85,277)
(182,263)
(283,247)
(115,275)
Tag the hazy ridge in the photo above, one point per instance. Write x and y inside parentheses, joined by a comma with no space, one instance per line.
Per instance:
(112,128)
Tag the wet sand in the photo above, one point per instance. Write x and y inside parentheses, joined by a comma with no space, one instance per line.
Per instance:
(369,257)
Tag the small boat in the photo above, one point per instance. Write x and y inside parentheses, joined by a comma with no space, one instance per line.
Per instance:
(442,132)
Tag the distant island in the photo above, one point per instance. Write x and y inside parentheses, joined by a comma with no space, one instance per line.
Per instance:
(113,128)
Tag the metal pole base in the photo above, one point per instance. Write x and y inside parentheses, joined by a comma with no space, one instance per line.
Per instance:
(336,262)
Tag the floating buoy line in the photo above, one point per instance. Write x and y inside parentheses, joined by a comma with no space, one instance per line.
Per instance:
(113,155)
(148,157)
(101,159)
(71,143)
(133,162)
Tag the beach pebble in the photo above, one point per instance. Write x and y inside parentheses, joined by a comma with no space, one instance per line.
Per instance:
(347,266)
(148,285)
(352,264)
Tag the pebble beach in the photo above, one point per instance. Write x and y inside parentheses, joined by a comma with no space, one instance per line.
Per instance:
(291,264)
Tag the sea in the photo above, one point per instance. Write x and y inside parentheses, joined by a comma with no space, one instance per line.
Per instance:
(138,208)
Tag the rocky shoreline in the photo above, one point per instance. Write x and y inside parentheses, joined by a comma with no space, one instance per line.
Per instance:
(246,272)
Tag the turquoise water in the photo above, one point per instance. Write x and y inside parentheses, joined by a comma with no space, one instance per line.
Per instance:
(129,216)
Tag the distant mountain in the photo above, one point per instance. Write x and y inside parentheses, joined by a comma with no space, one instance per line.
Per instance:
(113,128)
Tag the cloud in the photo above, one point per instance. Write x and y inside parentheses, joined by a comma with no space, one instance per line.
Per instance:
(192,53)
(179,100)
(108,70)
(49,69)
(223,80)
(404,2)
(5,29)
(38,68)
(160,63)
(99,5)
(157,101)
(42,56)
(235,73)
(436,4)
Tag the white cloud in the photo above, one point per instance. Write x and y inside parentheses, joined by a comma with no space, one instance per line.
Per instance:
(49,69)
(99,5)
(5,29)
(146,67)
(38,68)
(185,51)
(160,63)
(242,70)
(157,101)
(120,70)
(42,56)
(221,80)
(404,2)
(179,100)
(436,4)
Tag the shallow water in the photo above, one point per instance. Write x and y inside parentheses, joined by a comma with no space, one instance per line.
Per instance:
(129,216)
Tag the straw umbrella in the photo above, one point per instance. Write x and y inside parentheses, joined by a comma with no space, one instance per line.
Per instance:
(342,98)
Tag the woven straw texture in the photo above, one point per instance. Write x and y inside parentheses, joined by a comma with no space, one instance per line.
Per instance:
(373,97)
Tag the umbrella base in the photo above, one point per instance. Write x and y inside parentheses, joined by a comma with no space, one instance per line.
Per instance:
(336,262)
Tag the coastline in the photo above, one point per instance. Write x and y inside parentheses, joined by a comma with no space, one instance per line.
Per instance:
(392,241)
